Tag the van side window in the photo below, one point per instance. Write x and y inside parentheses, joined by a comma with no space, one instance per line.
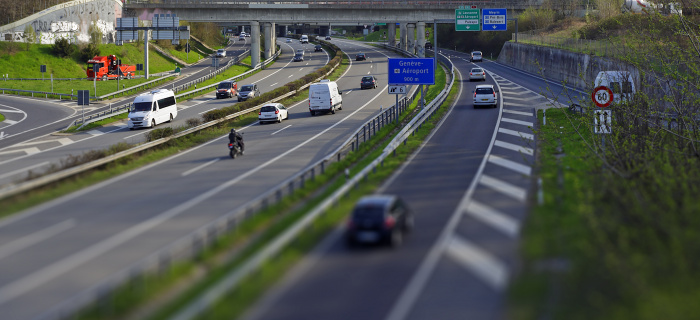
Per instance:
(166,102)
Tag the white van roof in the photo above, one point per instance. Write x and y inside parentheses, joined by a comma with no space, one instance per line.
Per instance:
(150,96)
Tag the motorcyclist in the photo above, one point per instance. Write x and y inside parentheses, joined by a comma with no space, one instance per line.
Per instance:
(235,137)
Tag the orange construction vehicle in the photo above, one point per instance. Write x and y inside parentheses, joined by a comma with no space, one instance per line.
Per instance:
(109,67)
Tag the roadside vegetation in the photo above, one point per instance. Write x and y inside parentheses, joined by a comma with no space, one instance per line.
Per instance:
(616,235)
(2,117)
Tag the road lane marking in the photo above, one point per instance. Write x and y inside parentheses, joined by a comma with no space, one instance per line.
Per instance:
(205,111)
(62,141)
(506,188)
(291,75)
(518,112)
(514,147)
(30,282)
(481,263)
(95,132)
(195,169)
(272,85)
(524,123)
(280,130)
(10,122)
(494,218)
(515,166)
(133,135)
(11,173)
(34,238)
(524,135)
(198,103)
(28,151)
(11,111)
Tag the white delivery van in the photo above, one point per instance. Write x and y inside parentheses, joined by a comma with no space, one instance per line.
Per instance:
(304,39)
(152,108)
(620,82)
(325,97)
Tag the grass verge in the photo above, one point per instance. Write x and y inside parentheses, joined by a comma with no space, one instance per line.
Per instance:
(2,117)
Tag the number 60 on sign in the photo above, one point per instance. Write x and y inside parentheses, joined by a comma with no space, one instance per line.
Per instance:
(602,96)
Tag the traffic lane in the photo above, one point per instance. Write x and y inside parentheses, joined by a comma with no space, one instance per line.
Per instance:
(35,115)
(145,184)
(97,139)
(442,170)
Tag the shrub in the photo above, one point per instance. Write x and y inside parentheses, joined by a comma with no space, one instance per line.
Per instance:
(156,134)
(62,48)
(213,115)
(89,51)
(193,122)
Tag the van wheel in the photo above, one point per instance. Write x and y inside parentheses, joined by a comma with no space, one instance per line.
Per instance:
(313,113)
(129,76)
(171,118)
(340,107)
(332,110)
(153,123)
(104,78)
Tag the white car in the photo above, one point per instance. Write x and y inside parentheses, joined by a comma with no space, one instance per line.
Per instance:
(485,95)
(273,112)
(476,56)
(289,40)
(477,74)
(221,53)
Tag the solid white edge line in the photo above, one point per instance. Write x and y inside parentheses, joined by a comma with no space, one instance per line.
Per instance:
(205,111)
(408,297)
(195,169)
(493,218)
(512,165)
(481,263)
(34,238)
(32,129)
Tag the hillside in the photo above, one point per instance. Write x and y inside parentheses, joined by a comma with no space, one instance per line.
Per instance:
(17,62)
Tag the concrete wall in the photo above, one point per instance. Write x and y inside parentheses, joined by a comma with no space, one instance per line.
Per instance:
(576,69)
(70,20)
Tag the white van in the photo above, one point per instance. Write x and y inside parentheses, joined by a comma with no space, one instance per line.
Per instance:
(325,97)
(152,108)
(620,82)
(304,39)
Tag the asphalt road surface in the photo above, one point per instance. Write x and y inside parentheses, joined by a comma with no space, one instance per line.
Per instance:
(470,186)
(67,248)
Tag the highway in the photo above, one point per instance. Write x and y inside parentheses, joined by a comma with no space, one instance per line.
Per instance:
(65,248)
(469,186)
(46,116)
(48,148)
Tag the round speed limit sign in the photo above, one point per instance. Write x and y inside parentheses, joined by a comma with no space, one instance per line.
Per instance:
(602,96)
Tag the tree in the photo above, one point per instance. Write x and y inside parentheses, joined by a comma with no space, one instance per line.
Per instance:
(62,48)
(29,35)
(89,51)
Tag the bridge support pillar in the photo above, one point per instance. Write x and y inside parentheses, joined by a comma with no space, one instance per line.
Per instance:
(420,43)
(274,38)
(402,36)
(267,33)
(411,37)
(324,31)
(391,34)
(254,43)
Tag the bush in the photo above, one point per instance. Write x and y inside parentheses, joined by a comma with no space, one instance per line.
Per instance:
(213,115)
(193,122)
(89,51)
(62,48)
(156,134)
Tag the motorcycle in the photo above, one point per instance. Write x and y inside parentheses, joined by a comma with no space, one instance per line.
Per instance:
(234,150)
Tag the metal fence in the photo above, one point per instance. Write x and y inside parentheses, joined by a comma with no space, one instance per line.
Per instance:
(190,245)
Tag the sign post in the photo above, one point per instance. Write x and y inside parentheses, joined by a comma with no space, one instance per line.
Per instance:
(602,96)
(467,19)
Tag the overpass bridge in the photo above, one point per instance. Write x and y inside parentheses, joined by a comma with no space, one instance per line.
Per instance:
(275,16)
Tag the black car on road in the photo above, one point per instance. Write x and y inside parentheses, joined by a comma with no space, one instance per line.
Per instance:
(360,57)
(369,82)
(318,48)
(379,219)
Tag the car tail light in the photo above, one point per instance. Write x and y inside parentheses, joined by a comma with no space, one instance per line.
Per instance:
(331,102)
(494,95)
(230,144)
(259,112)
(277,111)
(483,74)
(471,74)
(389,222)
(474,94)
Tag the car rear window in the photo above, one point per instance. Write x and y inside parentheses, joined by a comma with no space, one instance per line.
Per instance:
(267,109)
(225,85)
(476,53)
(484,90)
(366,78)
(477,70)
(247,88)
(368,212)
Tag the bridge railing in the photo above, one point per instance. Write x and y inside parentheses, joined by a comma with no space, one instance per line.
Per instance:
(378,3)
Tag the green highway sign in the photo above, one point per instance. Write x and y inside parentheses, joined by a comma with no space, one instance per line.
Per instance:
(467,20)
(380,24)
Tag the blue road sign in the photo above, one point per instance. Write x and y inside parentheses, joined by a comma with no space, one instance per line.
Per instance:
(411,71)
(494,19)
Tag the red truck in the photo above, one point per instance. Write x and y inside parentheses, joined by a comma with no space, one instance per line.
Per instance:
(109,67)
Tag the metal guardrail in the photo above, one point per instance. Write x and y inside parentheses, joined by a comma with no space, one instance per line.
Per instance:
(271,250)
(192,244)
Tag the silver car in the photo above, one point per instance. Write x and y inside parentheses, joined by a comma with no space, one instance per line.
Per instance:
(477,74)
(485,95)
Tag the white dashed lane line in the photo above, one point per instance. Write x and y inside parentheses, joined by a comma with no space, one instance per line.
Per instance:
(503,187)
(523,135)
(514,147)
(518,112)
(478,261)
(494,218)
(512,165)
(524,123)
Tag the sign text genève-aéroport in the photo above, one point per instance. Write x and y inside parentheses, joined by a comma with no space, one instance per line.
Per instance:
(411,71)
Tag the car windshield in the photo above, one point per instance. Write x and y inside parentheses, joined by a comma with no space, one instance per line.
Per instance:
(477,70)
(220,51)
(366,78)
(300,50)
(247,88)
(142,106)
(368,212)
(225,85)
(484,90)
(360,54)
(268,109)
